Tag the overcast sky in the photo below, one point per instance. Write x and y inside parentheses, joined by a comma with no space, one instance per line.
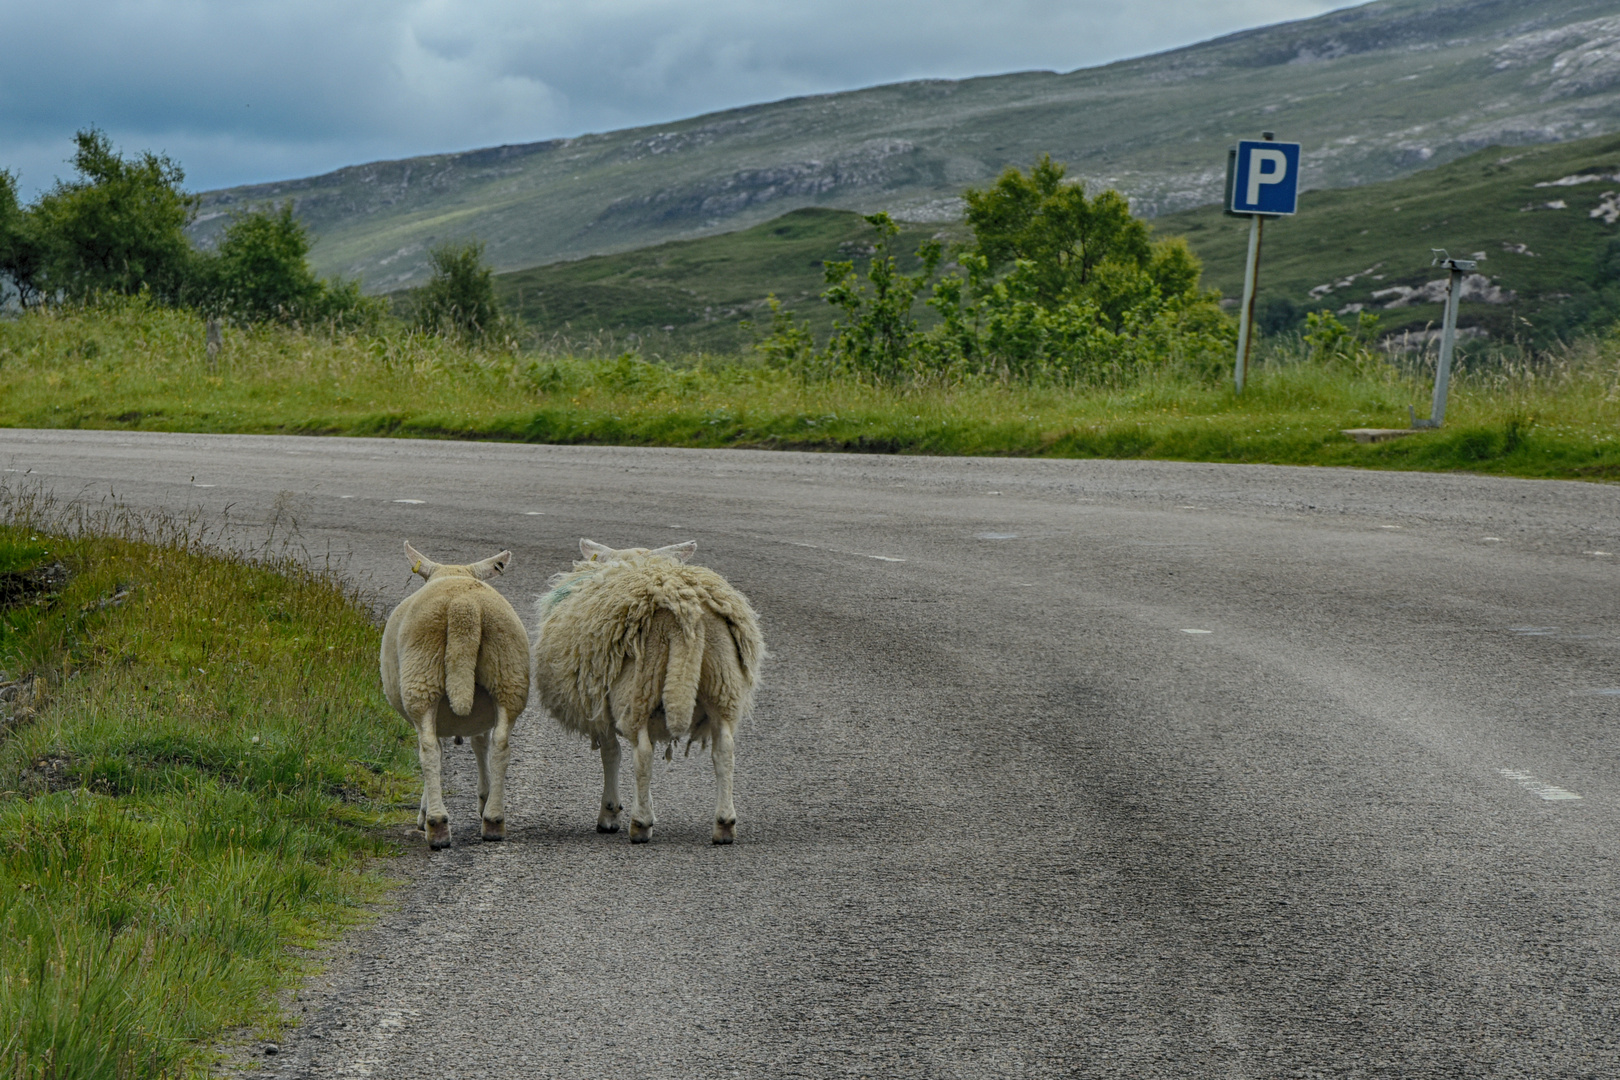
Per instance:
(248,90)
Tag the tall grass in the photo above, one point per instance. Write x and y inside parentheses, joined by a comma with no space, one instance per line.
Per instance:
(198,786)
(135,366)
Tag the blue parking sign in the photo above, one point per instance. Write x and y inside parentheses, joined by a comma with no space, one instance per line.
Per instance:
(1265,179)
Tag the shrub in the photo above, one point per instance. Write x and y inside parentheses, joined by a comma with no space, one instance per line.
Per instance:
(260,273)
(1055,288)
(459,300)
(118,228)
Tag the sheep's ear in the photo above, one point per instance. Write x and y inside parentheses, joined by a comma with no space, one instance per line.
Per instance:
(595,552)
(420,563)
(495,564)
(679,552)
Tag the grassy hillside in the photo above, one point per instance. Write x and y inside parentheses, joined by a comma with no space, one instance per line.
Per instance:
(1562,265)
(689,296)
(1373,92)
(1558,270)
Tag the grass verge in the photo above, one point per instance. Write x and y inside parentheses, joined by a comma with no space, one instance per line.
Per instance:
(132,366)
(194,768)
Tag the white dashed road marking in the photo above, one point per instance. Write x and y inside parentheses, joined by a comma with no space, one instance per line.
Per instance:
(1536,787)
(411,502)
(995,536)
(840,551)
(1186,631)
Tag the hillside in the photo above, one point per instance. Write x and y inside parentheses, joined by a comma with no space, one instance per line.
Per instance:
(1373,92)
(689,296)
(1544,269)
(1544,223)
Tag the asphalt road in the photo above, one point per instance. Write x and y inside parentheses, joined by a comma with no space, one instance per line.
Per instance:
(1090,769)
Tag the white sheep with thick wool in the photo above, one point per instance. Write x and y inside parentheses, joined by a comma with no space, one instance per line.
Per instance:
(636,643)
(455,662)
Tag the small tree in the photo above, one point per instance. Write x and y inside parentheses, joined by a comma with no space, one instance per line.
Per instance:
(459,300)
(118,228)
(20,262)
(1068,248)
(259,272)
(876,337)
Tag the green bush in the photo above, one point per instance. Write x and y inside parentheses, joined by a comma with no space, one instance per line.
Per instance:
(459,300)
(1056,288)
(260,273)
(118,228)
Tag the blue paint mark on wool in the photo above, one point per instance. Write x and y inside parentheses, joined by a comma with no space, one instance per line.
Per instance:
(563,587)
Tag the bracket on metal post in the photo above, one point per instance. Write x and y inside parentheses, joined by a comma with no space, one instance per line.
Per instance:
(1448,338)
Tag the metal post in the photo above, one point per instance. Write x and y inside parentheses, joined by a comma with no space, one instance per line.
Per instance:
(1448,341)
(1448,337)
(1246,315)
(214,341)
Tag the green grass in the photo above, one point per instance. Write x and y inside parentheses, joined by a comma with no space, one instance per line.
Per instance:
(194,784)
(138,368)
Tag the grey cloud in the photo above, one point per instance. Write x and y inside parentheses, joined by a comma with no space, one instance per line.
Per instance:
(258,90)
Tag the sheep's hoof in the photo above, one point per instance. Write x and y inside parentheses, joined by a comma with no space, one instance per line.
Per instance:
(639,833)
(607,825)
(725,832)
(494,830)
(438,835)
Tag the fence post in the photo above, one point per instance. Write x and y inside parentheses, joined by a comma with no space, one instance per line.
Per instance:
(1448,336)
(215,340)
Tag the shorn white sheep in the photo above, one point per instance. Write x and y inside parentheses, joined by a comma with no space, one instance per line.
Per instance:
(636,643)
(455,661)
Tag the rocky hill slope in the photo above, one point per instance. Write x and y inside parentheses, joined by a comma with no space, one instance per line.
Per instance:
(1373,92)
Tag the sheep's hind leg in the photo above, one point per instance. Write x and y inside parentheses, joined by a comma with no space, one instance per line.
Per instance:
(493,808)
(641,814)
(607,820)
(725,814)
(432,817)
(480,745)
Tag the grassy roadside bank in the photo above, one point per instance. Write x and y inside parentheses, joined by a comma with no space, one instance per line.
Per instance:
(194,763)
(140,368)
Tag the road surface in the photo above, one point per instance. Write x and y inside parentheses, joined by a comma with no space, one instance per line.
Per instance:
(1067,769)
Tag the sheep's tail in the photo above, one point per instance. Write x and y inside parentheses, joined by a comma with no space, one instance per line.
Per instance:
(681,678)
(463,630)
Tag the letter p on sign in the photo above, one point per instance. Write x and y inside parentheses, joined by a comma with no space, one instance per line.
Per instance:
(1267,178)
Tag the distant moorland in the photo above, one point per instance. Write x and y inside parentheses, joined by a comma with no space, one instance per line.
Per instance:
(1549,259)
(1373,92)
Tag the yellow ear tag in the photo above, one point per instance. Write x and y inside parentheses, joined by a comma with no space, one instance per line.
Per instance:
(593,556)
(416,567)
